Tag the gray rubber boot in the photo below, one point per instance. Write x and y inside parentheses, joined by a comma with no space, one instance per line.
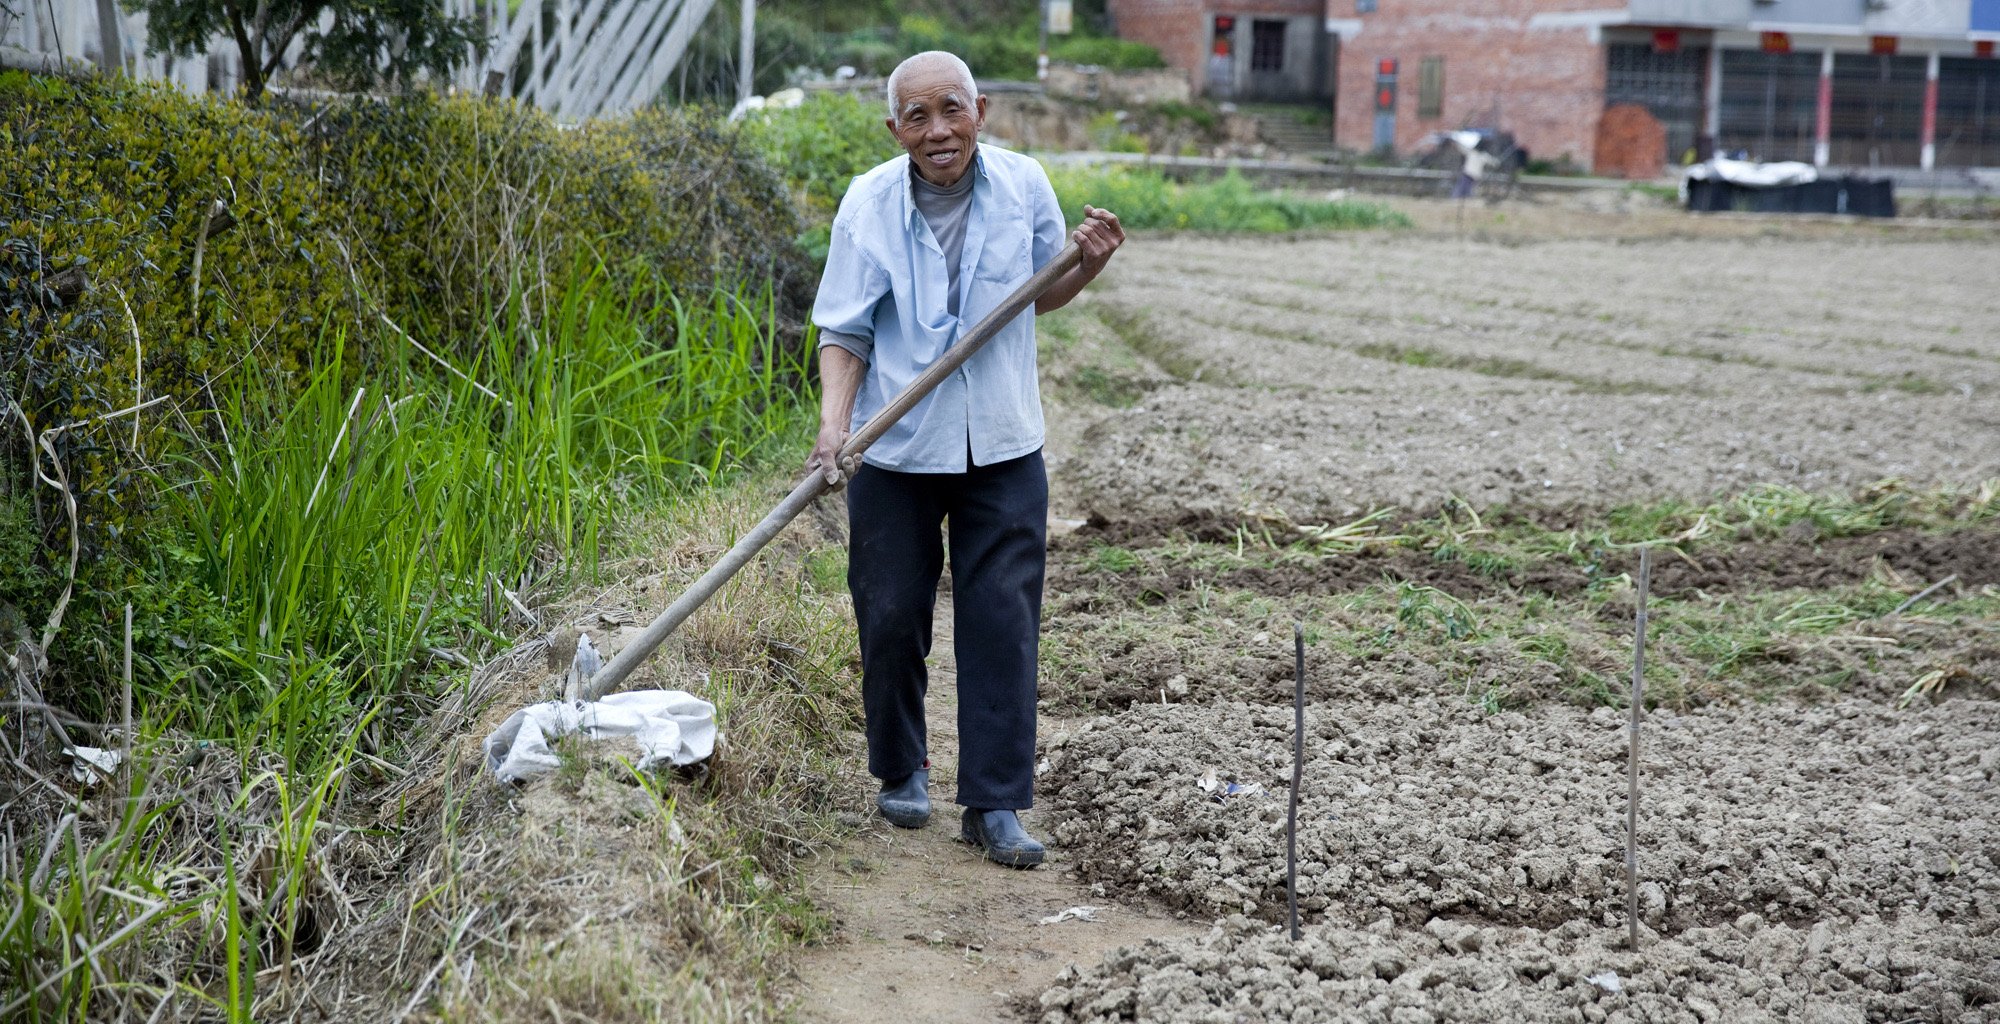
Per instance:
(1000,836)
(907,804)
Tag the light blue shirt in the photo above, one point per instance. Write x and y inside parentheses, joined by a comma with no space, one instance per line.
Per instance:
(885,297)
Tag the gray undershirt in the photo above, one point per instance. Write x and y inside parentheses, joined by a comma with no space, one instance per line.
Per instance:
(945,209)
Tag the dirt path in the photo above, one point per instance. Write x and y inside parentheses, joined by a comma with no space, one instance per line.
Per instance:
(928,931)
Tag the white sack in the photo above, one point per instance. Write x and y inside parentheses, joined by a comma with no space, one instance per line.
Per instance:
(666,725)
(1750,172)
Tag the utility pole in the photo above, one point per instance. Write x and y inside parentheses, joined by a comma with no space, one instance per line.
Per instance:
(746,54)
(1042,58)
(108,23)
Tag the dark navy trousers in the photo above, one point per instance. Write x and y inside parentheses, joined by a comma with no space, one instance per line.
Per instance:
(997,521)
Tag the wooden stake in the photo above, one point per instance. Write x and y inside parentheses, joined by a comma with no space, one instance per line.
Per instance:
(1298,772)
(1921,594)
(1632,767)
(128,688)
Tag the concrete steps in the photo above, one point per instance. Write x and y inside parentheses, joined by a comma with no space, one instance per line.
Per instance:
(1284,132)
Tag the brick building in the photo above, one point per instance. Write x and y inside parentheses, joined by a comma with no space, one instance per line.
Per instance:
(1868,83)
(1271,50)
(1459,63)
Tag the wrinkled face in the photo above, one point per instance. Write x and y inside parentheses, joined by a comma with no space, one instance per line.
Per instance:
(938,124)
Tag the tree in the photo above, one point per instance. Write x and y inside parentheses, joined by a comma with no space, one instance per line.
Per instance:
(355,44)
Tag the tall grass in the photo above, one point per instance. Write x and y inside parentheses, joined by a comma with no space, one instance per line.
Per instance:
(1144,198)
(351,528)
(328,536)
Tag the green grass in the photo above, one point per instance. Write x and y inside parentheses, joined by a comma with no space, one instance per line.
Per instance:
(1770,510)
(1145,199)
(1107,388)
(350,527)
(1490,366)
(1111,559)
(1507,645)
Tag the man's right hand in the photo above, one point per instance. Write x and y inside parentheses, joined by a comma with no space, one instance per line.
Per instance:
(826,456)
(840,373)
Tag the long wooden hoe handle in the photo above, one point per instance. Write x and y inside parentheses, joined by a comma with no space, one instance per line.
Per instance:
(814,484)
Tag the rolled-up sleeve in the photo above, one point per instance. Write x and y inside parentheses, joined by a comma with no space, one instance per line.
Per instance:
(1049,230)
(844,310)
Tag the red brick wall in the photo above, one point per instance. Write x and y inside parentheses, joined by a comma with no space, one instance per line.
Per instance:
(1545,84)
(1174,27)
(1179,28)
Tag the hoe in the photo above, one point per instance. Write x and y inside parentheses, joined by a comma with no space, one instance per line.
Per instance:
(809,489)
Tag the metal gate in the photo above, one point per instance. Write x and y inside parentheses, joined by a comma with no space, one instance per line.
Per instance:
(1770,104)
(1968,112)
(1667,84)
(1878,110)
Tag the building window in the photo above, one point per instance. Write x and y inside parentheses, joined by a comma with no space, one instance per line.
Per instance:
(1364,6)
(1667,82)
(1430,88)
(1267,45)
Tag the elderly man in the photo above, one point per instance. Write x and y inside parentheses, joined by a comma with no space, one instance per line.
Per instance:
(922,248)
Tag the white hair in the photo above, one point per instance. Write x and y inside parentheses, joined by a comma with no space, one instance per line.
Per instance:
(921,61)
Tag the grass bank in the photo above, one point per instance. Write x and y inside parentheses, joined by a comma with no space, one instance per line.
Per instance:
(310,473)
(340,575)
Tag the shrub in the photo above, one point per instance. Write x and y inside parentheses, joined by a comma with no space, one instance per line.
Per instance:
(821,145)
(438,213)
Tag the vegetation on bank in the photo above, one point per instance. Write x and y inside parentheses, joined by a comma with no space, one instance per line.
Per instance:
(802,38)
(820,146)
(1145,199)
(220,253)
(333,400)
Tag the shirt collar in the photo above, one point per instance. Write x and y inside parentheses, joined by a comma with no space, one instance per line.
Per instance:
(909,193)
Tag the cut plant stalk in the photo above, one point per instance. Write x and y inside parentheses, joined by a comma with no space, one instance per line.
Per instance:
(814,484)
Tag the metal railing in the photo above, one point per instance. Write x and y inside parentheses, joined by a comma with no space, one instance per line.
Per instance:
(576,59)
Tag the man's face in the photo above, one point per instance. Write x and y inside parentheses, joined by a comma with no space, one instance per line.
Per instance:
(938,124)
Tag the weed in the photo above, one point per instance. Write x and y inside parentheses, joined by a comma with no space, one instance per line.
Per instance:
(1420,607)
(1140,337)
(1487,563)
(1105,388)
(1106,558)
(1547,645)
(826,569)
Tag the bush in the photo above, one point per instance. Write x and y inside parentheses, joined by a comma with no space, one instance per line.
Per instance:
(1143,198)
(440,214)
(1174,111)
(520,199)
(821,145)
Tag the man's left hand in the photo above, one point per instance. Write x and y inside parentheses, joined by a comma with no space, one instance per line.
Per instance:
(1098,236)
